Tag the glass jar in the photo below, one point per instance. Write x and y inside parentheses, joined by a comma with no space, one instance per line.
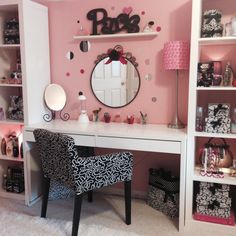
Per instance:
(233,26)
(233,122)
(200,119)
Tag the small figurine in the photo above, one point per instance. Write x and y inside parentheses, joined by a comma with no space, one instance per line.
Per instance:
(143,118)
(96,114)
(148,27)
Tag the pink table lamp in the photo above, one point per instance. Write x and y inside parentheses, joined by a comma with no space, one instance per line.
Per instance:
(176,57)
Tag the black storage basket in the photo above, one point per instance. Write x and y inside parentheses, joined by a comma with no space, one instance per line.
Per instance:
(164,180)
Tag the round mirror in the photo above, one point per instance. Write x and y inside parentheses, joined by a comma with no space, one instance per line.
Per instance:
(115,81)
(84,46)
(55,97)
(70,55)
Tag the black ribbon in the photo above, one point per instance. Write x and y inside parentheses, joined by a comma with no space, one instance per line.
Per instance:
(216,123)
(218,108)
(213,205)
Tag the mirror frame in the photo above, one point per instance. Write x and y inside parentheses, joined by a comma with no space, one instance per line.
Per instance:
(129,57)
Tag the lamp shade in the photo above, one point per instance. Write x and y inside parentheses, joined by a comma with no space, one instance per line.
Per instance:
(176,55)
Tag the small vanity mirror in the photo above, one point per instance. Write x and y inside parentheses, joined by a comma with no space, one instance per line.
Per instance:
(115,80)
(55,99)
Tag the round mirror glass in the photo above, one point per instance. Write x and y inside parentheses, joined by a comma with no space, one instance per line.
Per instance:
(55,97)
(115,84)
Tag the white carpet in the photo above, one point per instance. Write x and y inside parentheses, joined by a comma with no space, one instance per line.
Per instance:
(18,224)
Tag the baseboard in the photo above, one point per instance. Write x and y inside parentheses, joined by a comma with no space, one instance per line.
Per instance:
(120,192)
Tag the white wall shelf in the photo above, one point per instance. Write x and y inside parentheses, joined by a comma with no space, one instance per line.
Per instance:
(12,122)
(141,35)
(214,135)
(214,88)
(226,180)
(9,45)
(11,85)
(6,158)
(217,41)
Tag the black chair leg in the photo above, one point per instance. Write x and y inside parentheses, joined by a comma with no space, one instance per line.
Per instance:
(46,186)
(90,196)
(128,202)
(76,216)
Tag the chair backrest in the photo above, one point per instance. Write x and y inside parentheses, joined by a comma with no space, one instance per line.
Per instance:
(56,152)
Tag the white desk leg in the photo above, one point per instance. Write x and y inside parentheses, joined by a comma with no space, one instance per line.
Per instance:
(183,165)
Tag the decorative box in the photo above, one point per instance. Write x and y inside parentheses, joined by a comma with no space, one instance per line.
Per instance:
(15,179)
(15,110)
(218,120)
(211,24)
(218,125)
(213,200)
(11,32)
(218,110)
(205,74)
(217,220)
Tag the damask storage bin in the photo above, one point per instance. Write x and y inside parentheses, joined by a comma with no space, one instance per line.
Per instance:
(214,200)
(163,192)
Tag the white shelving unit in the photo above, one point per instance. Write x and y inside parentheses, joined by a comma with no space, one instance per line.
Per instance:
(140,35)
(198,45)
(35,65)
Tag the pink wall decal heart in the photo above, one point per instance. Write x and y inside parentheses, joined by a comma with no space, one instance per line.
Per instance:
(127,10)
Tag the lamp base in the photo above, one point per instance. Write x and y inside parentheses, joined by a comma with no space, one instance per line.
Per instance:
(83,118)
(176,124)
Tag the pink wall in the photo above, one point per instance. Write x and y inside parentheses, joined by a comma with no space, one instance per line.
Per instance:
(174,18)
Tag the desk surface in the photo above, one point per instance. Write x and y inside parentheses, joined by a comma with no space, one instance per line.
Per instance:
(124,130)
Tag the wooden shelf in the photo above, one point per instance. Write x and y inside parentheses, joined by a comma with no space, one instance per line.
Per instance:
(6,158)
(11,85)
(9,45)
(12,122)
(216,88)
(217,41)
(110,36)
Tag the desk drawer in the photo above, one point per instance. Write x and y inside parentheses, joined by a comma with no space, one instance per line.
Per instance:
(139,144)
(83,140)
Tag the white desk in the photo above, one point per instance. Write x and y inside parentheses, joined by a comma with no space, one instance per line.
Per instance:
(153,138)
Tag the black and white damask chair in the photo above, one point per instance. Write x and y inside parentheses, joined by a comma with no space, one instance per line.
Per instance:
(61,163)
